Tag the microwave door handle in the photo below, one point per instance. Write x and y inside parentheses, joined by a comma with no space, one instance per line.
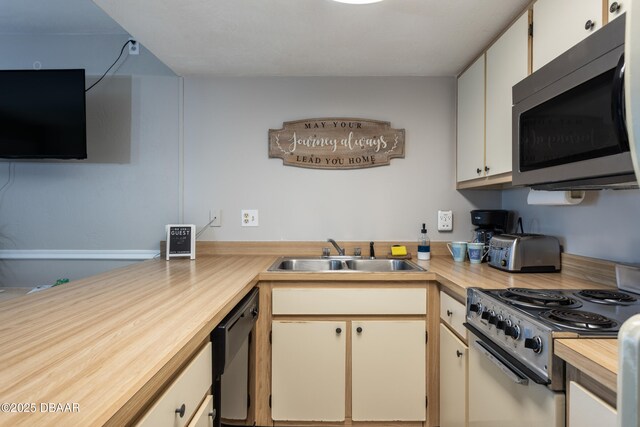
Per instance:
(617,105)
(509,370)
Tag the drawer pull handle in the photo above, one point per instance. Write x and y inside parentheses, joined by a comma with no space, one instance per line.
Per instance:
(615,6)
(338,331)
(359,330)
(478,170)
(458,353)
(589,25)
(449,313)
(212,414)
(181,410)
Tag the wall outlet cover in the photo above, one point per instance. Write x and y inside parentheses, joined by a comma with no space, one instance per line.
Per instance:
(249,217)
(445,220)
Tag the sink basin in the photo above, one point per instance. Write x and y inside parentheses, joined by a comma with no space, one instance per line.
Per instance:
(382,265)
(323,265)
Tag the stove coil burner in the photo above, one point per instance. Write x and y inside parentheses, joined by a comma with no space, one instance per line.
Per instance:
(535,298)
(607,297)
(580,320)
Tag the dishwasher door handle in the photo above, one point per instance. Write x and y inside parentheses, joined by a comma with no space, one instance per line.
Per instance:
(509,370)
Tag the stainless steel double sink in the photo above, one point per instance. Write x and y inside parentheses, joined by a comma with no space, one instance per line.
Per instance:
(343,264)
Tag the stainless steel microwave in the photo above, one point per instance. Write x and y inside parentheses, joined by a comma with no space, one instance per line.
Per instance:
(569,129)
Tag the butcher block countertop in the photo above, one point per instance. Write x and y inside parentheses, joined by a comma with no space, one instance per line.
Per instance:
(103,347)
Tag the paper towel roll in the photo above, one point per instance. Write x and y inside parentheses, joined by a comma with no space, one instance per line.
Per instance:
(554,198)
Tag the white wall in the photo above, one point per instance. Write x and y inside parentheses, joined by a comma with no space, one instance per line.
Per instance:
(226,121)
(88,206)
(605,225)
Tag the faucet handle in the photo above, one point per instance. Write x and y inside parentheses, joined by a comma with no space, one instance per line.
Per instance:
(325,252)
(357,252)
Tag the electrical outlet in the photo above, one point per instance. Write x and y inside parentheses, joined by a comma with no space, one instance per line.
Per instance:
(215,218)
(445,220)
(249,217)
(134,47)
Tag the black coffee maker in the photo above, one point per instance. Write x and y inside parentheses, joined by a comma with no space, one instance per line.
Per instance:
(490,222)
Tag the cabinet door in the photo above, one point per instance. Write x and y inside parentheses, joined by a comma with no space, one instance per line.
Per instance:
(507,64)
(560,24)
(588,410)
(470,148)
(616,8)
(388,370)
(308,370)
(453,380)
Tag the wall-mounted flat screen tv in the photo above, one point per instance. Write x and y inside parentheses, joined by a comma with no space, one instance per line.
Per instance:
(42,114)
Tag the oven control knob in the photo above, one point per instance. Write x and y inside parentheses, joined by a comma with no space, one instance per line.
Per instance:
(500,324)
(493,319)
(512,331)
(476,308)
(534,344)
(485,315)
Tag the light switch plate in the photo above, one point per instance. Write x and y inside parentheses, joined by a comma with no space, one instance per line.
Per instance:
(249,217)
(445,220)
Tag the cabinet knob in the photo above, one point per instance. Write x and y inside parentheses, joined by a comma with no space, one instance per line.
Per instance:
(212,414)
(458,353)
(615,6)
(449,313)
(589,25)
(478,170)
(486,168)
(181,410)
(338,331)
(359,330)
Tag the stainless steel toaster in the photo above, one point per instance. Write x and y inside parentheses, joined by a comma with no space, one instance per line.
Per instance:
(524,253)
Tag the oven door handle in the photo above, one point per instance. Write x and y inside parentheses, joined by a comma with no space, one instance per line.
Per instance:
(509,370)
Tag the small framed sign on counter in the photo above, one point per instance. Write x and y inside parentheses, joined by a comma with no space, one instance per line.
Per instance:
(181,241)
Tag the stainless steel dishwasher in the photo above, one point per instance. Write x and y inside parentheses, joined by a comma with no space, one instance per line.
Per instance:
(231,340)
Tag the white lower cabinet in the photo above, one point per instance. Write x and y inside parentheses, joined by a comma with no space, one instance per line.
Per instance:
(588,410)
(204,415)
(308,370)
(388,370)
(180,401)
(453,380)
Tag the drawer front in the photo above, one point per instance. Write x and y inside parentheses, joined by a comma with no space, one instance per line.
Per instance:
(453,314)
(189,389)
(349,301)
(202,418)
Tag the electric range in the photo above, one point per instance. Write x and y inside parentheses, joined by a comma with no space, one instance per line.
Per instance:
(519,324)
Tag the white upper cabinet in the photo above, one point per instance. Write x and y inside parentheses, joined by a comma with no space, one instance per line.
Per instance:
(507,64)
(616,8)
(560,24)
(470,148)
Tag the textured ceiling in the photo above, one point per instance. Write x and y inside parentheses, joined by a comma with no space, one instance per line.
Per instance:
(314,37)
(282,37)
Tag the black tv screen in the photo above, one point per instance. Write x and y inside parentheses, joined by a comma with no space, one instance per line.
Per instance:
(42,114)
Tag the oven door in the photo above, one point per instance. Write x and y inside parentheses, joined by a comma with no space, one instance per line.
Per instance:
(501,395)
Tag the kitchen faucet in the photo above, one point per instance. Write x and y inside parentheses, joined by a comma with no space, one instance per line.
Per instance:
(335,245)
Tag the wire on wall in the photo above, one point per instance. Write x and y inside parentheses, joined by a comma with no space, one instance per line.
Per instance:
(108,69)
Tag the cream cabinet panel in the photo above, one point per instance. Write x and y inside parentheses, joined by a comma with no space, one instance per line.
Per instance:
(507,64)
(202,417)
(308,370)
(560,24)
(330,301)
(470,147)
(389,365)
(453,313)
(453,380)
(588,410)
(191,386)
(616,8)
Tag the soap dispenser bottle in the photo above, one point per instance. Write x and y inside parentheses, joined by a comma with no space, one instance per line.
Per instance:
(424,244)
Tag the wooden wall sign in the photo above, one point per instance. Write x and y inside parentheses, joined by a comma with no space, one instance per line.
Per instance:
(335,143)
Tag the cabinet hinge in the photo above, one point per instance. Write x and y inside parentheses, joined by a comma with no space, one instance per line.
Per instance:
(269,401)
(426,336)
(270,337)
(531,30)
